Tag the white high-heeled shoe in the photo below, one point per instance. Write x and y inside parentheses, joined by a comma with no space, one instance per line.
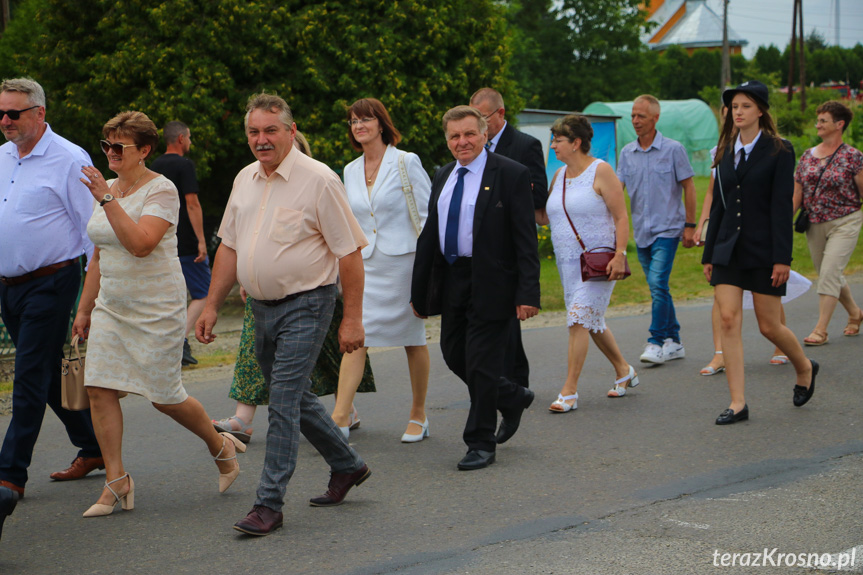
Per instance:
(126,501)
(617,390)
(560,404)
(411,438)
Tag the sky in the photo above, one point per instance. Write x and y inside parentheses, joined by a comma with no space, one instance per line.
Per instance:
(765,22)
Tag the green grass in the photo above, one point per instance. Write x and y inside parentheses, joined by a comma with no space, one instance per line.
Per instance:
(687,278)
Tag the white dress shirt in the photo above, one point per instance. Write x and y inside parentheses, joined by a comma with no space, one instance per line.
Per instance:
(44,207)
(747,149)
(472,181)
(493,142)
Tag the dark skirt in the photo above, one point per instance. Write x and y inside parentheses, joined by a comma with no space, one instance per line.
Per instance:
(756,280)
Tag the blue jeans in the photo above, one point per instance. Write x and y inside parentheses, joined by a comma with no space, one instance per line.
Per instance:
(288,339)
(657,260)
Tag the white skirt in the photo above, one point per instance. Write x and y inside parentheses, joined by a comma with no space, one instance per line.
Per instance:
(387,315)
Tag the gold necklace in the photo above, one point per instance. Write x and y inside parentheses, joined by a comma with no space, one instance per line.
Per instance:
(122,193)
(372,177)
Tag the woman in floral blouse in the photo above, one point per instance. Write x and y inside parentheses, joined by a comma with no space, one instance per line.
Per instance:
(828,183)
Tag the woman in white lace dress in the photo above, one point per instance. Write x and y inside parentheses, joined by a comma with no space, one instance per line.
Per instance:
(586,196)
(133,307)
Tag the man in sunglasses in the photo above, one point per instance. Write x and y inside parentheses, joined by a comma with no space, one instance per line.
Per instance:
(44,210)
(191,245)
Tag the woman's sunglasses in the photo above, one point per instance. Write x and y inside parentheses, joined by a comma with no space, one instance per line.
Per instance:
(117,148)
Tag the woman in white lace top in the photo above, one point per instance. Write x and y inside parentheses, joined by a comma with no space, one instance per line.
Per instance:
(586,196)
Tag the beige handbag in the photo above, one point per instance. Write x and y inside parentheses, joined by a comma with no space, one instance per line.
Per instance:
(74,396)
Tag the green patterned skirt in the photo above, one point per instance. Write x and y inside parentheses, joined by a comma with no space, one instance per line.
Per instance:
(249,387)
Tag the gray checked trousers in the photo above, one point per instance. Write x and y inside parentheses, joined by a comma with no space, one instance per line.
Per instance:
(288,339)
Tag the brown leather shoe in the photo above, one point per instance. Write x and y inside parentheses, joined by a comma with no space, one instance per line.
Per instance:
(260,521)
(79,468)
(13,487)
(340,484)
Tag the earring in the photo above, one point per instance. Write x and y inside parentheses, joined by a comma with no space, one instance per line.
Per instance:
(141,162)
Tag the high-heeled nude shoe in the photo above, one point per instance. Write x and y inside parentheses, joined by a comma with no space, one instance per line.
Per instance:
(226,479)
(127,501)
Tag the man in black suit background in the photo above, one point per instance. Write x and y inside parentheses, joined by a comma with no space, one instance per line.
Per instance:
(505,140)
(477,266)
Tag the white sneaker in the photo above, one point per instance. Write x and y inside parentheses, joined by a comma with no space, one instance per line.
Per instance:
(672,350)
(653,354)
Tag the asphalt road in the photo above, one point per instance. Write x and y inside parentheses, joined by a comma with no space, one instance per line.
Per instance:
(645,484)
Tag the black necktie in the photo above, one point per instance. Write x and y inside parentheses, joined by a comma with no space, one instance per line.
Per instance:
(450,236)
(742,161)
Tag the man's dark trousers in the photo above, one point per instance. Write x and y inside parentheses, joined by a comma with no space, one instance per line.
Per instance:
(474,350)
(36,315)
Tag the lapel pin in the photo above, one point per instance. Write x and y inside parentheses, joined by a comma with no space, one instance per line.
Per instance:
(486,188)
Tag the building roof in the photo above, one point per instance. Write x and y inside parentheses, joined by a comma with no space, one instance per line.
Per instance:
(698,26)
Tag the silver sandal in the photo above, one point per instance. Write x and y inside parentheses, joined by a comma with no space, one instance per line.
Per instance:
(244,434)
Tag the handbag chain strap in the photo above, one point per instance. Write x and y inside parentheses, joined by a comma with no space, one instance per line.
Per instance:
(409,195)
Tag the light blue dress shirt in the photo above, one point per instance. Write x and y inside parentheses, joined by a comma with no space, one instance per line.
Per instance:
(472,181)
(44,207)
(652,178)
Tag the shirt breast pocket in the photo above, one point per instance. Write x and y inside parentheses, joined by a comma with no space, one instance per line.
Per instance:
(35,201)
(663,166)
(286,226)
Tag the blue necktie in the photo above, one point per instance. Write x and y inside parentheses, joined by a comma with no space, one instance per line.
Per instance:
(450,237)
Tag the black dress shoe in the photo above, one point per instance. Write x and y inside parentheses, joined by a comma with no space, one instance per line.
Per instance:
(512,419)
(8,501)
(804,394)
(260,521)
(476,459)
(728,416)
(187,354)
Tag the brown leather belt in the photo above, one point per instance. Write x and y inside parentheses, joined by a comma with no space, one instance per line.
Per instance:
(39,273)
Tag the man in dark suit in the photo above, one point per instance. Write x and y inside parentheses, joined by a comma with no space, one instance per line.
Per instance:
(505,140)
(477,265)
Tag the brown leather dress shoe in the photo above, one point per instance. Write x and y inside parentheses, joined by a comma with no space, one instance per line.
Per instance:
(79,468)
(340,484)
(17,489)
(260,521)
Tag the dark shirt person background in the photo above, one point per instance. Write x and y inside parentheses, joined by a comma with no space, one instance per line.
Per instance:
(191,245)
(44,210)
(505,140)
(477,266)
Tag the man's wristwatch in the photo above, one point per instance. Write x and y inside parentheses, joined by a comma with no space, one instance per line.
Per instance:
(105,199)
(689,225)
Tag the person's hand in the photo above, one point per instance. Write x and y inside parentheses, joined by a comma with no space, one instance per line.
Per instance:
(94,182)
(523,312)
(243,294)
(81,326)
(688,237)
(204,326)
(352,336)
(708,271)
(697,234)
(202,253)
(416,314)
(616,268)
(780,274)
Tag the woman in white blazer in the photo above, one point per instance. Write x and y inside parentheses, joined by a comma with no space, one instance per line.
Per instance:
(389,193)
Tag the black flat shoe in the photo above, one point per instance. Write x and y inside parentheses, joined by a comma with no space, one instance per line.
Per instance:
(476,459)
(512,419)
(804,394)
(728,416)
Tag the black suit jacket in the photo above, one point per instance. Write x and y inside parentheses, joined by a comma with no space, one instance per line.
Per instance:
(757,212)
(505,263)
(527,151)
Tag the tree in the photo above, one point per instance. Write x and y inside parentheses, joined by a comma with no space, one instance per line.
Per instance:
(769,60)
(199,61)
(578,51)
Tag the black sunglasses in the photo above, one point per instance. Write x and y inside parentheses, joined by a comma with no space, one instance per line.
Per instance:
(14,114)
(117,148)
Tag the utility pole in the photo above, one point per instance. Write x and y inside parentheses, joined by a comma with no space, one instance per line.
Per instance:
(726,57)
(4,12)
(792,51)
(802,60)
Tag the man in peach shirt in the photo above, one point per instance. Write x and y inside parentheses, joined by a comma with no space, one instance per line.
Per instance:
(287,235)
